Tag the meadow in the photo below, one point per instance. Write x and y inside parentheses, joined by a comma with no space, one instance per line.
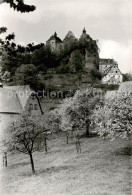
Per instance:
(102,168)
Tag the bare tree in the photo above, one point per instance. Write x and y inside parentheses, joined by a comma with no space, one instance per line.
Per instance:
(22,135)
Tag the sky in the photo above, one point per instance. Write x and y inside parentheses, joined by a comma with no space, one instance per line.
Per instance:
(108,21)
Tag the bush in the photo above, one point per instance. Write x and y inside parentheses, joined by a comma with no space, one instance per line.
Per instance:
(95,74)
(125,151)
(63,69)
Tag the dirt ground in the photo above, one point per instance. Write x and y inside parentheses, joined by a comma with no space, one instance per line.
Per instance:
(101,169)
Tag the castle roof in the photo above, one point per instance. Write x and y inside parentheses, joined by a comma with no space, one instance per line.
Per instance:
(84,30)
(54,37)
(85,35)
(69,36)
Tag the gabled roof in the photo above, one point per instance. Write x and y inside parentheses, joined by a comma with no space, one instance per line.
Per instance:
(104,61)
(54,37)
(108,69)
(23,92)
(69,36)
(9,102)
(85,35)
(13,99)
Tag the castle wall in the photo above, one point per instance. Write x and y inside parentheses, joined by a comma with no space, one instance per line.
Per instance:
(59,46)
(52,44)
(55,46)
(90,60)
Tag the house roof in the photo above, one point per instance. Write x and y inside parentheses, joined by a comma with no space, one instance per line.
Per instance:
(108,69)
(13,99)
(104,61)
(54,37)
(9,102)
(23,92)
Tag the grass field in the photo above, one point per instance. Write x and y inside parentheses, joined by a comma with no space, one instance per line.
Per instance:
(101,169)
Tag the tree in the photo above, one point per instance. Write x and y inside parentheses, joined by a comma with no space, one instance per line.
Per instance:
(74,113)
(10,37)
(127,77)
(77,60)
(3,30)
(14,55)
(11,58)
(19,5)
(95,75)
(53,121)
(22,135)
(26,74)
(113,119)
(38,58)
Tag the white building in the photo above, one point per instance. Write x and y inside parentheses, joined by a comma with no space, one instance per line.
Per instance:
(55,43)
(15,100)
(110,71)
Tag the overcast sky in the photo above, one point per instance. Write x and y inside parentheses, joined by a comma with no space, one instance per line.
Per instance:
(109,21)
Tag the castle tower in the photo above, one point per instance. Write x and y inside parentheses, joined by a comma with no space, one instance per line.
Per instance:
(84,35)
(54,42)
(84,31)
(69,38)
(55,35)
(91,52)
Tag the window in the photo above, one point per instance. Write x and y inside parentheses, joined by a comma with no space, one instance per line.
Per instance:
(31,106)
(36,107)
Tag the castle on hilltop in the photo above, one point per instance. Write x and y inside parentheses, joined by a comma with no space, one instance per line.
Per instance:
(56,44)
(107,67)
(90,55)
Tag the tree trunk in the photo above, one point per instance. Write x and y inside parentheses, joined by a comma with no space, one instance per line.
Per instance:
(78,145)
(6,162)
(32,163)
(5,159)
(87,129)
(45,142)
(67,138)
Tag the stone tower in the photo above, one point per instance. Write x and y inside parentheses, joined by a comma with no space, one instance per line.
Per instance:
(69,38)
(55,43)
(91,50)
(85,36)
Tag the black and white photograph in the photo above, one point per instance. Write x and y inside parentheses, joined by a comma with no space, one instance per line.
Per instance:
(65,97)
